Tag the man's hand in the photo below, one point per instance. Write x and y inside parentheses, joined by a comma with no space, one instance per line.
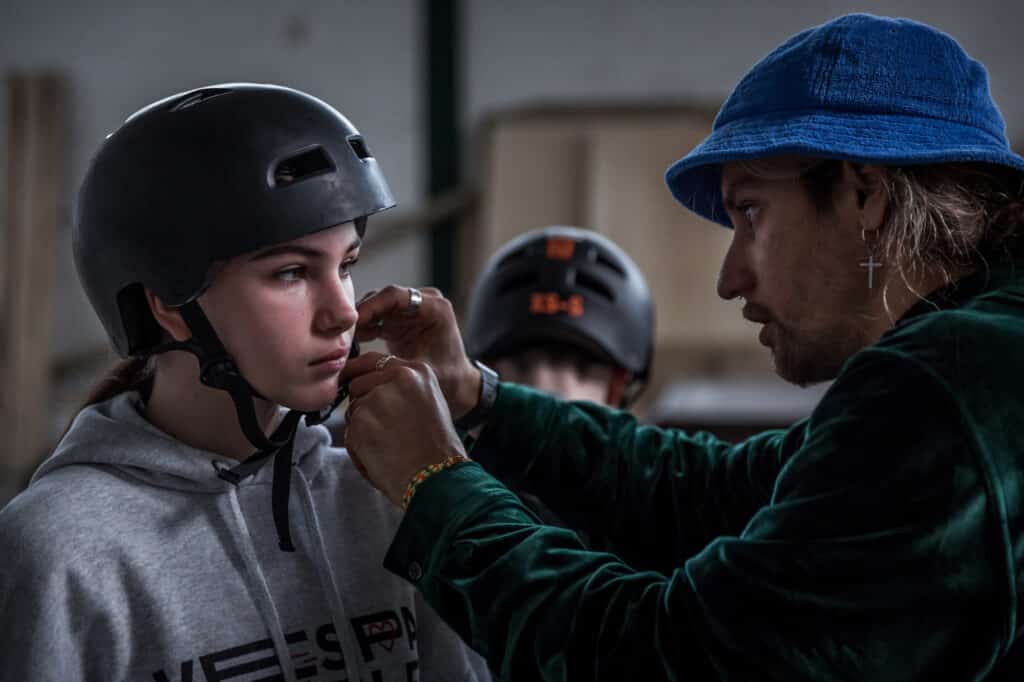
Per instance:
(397,421)
(428,333)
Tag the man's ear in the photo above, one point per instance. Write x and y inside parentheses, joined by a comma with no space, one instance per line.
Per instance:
(169,319)
(872,197)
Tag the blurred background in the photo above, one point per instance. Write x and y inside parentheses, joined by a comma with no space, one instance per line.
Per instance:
(489,119)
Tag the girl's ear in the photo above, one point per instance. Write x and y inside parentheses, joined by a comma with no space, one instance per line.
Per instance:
(169,319)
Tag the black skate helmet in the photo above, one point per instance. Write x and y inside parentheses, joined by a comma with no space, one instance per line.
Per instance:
(201,177)
(204,176)
(563,285)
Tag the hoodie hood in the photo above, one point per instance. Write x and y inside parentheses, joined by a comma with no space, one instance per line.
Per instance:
(115,433)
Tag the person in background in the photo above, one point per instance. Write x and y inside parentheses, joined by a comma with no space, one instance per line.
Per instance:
(566,311)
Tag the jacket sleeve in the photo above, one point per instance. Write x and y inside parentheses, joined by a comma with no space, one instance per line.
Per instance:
(623,483)
(876,557)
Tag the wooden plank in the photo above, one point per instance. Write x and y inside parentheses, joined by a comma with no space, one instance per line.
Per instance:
(35,193)
(697,334)
(679,252)
(530,169)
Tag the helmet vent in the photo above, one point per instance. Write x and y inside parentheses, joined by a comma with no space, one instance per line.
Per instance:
(195,98)
(301,167)
(608,263)
(359,147)
(517,282)
(585,281)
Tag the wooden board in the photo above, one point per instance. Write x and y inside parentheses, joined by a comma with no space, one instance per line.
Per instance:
(35,200)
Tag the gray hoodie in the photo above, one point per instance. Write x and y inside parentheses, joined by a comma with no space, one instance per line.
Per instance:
(127,558)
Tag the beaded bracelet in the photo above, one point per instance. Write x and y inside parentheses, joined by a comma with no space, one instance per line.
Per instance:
(428,471)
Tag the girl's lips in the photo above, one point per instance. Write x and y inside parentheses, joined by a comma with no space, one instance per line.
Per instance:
(330,367)
(337,355)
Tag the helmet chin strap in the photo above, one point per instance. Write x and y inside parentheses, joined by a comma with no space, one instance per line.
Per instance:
(217,369)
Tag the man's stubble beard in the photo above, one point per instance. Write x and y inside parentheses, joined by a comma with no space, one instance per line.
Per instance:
(805,361)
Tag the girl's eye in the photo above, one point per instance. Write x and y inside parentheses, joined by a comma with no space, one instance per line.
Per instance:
(292,274)
(348,265)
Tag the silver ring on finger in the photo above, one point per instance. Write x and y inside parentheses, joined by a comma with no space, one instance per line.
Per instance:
(415,301)
(383,362)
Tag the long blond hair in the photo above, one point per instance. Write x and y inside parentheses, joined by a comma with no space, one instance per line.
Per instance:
(941,218)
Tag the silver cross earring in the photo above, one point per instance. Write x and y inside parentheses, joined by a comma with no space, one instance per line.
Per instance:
(871,264)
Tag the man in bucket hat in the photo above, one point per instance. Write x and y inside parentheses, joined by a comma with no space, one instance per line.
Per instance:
(877,217)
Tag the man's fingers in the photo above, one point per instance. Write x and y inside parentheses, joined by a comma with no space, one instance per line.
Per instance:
(391,310)
(366,362)
(391,329)
(368,294)
(379,305)
(361,386)
(360,467)
(365,334)
(368,371)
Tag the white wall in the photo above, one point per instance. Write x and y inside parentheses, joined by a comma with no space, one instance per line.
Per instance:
(597,49)
(362,56)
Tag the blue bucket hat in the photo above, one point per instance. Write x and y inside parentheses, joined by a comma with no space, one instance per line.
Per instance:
(861,88)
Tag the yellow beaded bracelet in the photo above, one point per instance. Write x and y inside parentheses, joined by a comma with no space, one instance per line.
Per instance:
(428,471)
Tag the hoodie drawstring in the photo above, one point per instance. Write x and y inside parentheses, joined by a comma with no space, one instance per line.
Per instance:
(329,584)
(257,584)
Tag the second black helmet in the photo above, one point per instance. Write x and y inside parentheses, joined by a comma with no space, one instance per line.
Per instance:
(565,285)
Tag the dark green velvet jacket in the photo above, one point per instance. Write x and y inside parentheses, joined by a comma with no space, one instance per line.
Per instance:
(880,539)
